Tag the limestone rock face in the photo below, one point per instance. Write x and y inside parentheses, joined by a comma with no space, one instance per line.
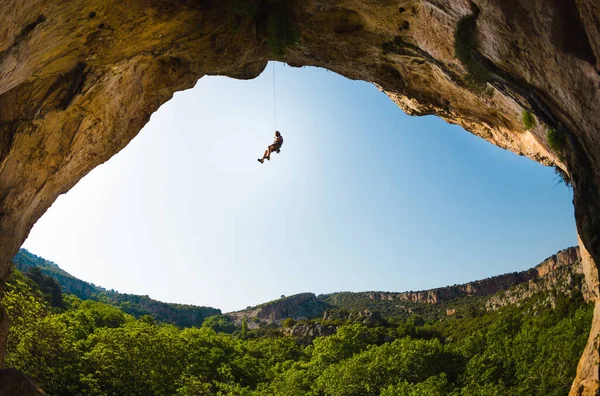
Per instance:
(79,79)
(364,316)
(559,274)
(550,270)
(297,307)
(307,332)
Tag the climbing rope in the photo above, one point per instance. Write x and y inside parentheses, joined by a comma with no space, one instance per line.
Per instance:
(274,109)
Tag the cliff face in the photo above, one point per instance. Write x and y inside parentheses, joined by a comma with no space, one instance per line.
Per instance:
(297,307)
(548,269)
(79,79)
(558,275)
(561,273)
(307,332)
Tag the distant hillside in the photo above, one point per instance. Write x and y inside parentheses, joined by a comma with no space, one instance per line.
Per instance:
(558,274)
(297,307)
(561,268)
(24,260)
(531,346)
(179,314)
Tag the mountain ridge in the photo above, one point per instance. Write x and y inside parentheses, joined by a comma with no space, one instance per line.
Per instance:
(184,315)
(565,264)
(482,287)
(564,267)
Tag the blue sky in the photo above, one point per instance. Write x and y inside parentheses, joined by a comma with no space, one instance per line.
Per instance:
(362,197)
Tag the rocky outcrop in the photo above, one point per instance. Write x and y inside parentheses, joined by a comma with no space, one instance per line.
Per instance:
(587,378)
(306,332)
(587,381)
(561,274)
(548,268)
(4,325)
(79,79)
(298,307)
(484,287)
(363,316)
(15,383)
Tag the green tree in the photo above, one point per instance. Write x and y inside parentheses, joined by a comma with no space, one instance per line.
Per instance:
(372,370)
(219,323)
(244,332)
(433,386)
(48,286)
(135,359)
(347,341)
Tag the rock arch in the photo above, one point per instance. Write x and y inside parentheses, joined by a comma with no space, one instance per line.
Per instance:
(79,79)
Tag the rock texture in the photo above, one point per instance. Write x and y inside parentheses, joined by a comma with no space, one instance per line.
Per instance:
(587,381)
(15,383)
(561,273)
(4,325)
(363,316)
(305,333)
(551,271)
(297,307)
(484,287)
(79,79)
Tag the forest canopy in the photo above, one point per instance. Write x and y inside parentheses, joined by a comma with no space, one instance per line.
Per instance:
(74,347)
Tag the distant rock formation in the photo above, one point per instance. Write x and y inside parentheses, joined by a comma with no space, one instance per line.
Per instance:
(297,307)
(560,274)
(489,286)
(306,332)
(562,270)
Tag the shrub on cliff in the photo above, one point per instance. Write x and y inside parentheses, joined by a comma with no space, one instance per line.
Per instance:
(563,176)
(465,50)
(528,120)
(281,29)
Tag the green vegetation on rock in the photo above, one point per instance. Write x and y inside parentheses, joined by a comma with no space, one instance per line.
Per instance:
(558,145)
(465,49)
(563,176)
(281,29)
(242,12)
(244,8)
(528,120)
(554,140)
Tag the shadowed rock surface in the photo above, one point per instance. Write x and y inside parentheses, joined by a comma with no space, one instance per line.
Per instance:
(79,79)
(15,383)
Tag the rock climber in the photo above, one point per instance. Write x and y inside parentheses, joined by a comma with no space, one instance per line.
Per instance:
(276,146)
